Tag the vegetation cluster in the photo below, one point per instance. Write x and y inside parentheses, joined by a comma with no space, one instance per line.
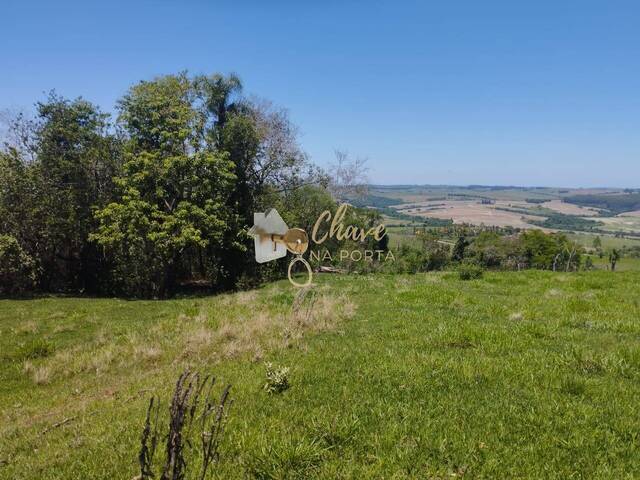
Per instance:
(615,204)
(157,200)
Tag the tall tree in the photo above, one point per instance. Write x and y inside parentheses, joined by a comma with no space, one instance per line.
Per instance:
(614,256)
(60,172)
(76,157)
(173,191)
(218,96)
(262,142)
(459,249)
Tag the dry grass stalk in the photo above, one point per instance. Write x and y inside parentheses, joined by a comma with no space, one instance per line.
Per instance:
(190,392)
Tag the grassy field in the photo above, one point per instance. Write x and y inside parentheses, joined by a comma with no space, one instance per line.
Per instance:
(625,264)
(608,241)
(517,375)
(622,224)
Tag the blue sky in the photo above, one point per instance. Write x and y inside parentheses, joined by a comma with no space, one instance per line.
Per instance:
(458,92)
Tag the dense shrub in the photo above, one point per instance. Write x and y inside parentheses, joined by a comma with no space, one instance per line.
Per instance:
(544,251)
(17,272)
(565,222)
(470,271)
(414,259)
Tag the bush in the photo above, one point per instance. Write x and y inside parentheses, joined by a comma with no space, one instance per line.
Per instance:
(470,271)
(17,272)
(413,259)
(277,379)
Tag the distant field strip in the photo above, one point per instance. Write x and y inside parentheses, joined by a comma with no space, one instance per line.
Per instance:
(471,212)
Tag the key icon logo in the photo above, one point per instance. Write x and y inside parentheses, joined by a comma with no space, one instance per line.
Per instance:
(273,238)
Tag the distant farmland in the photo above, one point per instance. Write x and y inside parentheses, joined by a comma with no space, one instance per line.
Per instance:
(603,211)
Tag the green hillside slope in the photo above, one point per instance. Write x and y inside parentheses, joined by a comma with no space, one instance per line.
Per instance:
(517,375)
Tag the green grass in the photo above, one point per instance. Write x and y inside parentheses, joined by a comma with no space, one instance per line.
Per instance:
(622,224)
(608,241)
(516,375)
(625,264)
(399,236)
